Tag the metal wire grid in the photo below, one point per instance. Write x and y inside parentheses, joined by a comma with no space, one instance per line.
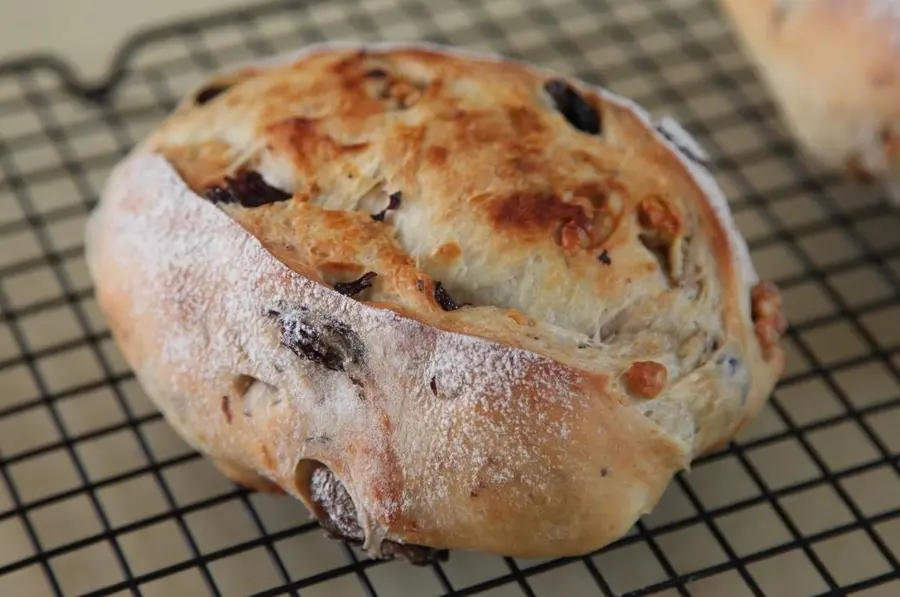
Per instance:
(99,497)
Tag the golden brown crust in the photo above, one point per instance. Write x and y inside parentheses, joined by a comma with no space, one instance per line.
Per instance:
(832,68)
(503,320)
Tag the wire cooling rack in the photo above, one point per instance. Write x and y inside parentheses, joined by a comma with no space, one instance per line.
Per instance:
(99,497)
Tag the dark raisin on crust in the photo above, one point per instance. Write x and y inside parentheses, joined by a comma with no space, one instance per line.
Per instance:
(337,516)
(420,285)
(375,73)
(393,203)
(730,363)
(360,387)
(218,195)
(208,93)
(604,257)
(573,107)
(252,190)
(433,385)
(249,189)
(324,341)
(354,287)
(417,555)
(356,382)
(338,512)
(226,408)
(443,298)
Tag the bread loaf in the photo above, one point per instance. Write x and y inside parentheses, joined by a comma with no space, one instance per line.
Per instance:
(832,68)
(446,300)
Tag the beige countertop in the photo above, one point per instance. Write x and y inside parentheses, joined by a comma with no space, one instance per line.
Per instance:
(87,32)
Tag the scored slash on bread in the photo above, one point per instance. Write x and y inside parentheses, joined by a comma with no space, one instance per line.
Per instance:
(447,300)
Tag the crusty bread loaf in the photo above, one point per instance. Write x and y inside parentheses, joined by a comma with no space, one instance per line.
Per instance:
(447,300)
(833,70)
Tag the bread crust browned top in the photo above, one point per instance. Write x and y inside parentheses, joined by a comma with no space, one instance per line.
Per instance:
(444,299)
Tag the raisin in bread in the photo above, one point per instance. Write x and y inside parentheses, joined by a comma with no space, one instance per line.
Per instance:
(833,70)
(446,300)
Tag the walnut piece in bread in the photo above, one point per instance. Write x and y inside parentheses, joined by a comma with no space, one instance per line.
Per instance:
(832,68)
(447,300)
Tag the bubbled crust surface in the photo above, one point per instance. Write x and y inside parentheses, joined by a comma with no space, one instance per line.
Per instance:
(612,327)
(833,68)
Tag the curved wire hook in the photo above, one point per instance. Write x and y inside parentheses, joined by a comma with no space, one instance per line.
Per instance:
(101,91)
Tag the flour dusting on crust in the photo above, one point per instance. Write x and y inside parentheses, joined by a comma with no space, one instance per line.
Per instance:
(204,339)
